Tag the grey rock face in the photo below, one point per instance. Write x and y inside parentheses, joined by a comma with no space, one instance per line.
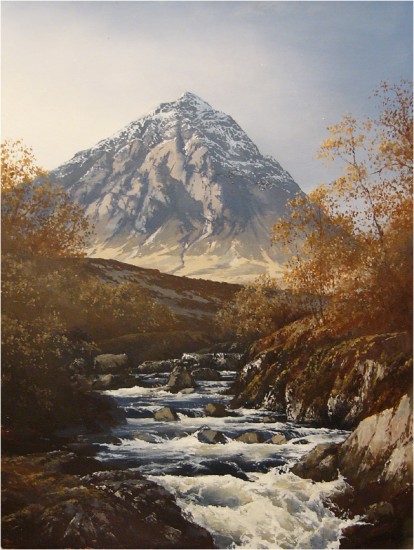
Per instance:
(166,414)
(251,437)
(211,437)
(216,409)
(153,367)
(206,374)
(184,190)
(180,379)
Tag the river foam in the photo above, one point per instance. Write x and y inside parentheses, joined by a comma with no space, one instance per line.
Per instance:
(242,493)
(272,510)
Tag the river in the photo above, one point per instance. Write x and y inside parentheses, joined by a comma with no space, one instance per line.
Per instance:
(242,493)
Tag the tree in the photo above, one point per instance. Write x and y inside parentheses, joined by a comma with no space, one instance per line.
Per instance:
(352,238)
(38,217)
(259,309)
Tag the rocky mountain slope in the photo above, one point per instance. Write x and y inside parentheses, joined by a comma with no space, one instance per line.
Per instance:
(184,190)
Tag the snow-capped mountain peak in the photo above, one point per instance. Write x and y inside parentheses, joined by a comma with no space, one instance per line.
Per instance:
(183,189)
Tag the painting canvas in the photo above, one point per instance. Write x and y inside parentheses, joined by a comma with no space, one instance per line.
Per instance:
(206,274)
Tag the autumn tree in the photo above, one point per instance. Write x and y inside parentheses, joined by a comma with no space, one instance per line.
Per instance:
(38,217)
(258,309)
(351,239)
(52,310)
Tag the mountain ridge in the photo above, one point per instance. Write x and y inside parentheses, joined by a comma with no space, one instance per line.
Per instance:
(182,189)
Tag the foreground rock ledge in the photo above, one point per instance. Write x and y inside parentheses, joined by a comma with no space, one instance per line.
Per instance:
(59,500)
(377,461)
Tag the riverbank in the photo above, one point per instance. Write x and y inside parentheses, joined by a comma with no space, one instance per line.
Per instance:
(247,477)
(61,500)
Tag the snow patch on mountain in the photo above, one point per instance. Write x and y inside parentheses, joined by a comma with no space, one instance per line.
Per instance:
(182,189)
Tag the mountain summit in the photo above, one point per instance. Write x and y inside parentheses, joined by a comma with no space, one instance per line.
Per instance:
(184,190)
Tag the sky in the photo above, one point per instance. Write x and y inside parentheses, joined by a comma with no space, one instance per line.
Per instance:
(76,72)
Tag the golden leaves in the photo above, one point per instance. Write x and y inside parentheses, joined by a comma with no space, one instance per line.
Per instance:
(340,235)
(37,215)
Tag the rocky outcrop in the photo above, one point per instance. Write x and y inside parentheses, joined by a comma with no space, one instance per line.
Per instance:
(154,367)
(166,414)
(251,437)
(217,361)
(331,383)
(180,379)
(109,363)
(206,374)
(216,409)
(277,439)
(377,461)
(211,436)
(60,501)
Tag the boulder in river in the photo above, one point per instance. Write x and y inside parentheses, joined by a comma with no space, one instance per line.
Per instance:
(110,363)
(166,414)
(216,409)
(251,437)
(179,379)
(206,374)
(145,436)
(154,367)
(211,436)
(277,439)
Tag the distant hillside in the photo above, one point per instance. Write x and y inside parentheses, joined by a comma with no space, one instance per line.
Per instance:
(193,302)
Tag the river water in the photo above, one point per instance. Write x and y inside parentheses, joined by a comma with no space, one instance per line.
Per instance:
(242,493)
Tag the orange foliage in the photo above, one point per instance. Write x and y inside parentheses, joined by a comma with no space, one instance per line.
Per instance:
(38,217)
(351,240)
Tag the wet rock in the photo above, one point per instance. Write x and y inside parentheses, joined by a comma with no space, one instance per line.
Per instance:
(251,437)
(199,360)
(320,464)
(44,508)
(206,374)
(180,379)
(228,361)
(381,448)
(216,361)
(211,436)
(331,382)
(145,436)
(269,419)
(166,414)
(110,363)
(376,461)
(154,367)
(277,439)
(218,410)
(131,412)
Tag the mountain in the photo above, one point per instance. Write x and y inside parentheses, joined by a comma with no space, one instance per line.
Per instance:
(183,190)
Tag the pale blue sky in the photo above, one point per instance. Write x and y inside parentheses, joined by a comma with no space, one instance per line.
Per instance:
(76,72)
